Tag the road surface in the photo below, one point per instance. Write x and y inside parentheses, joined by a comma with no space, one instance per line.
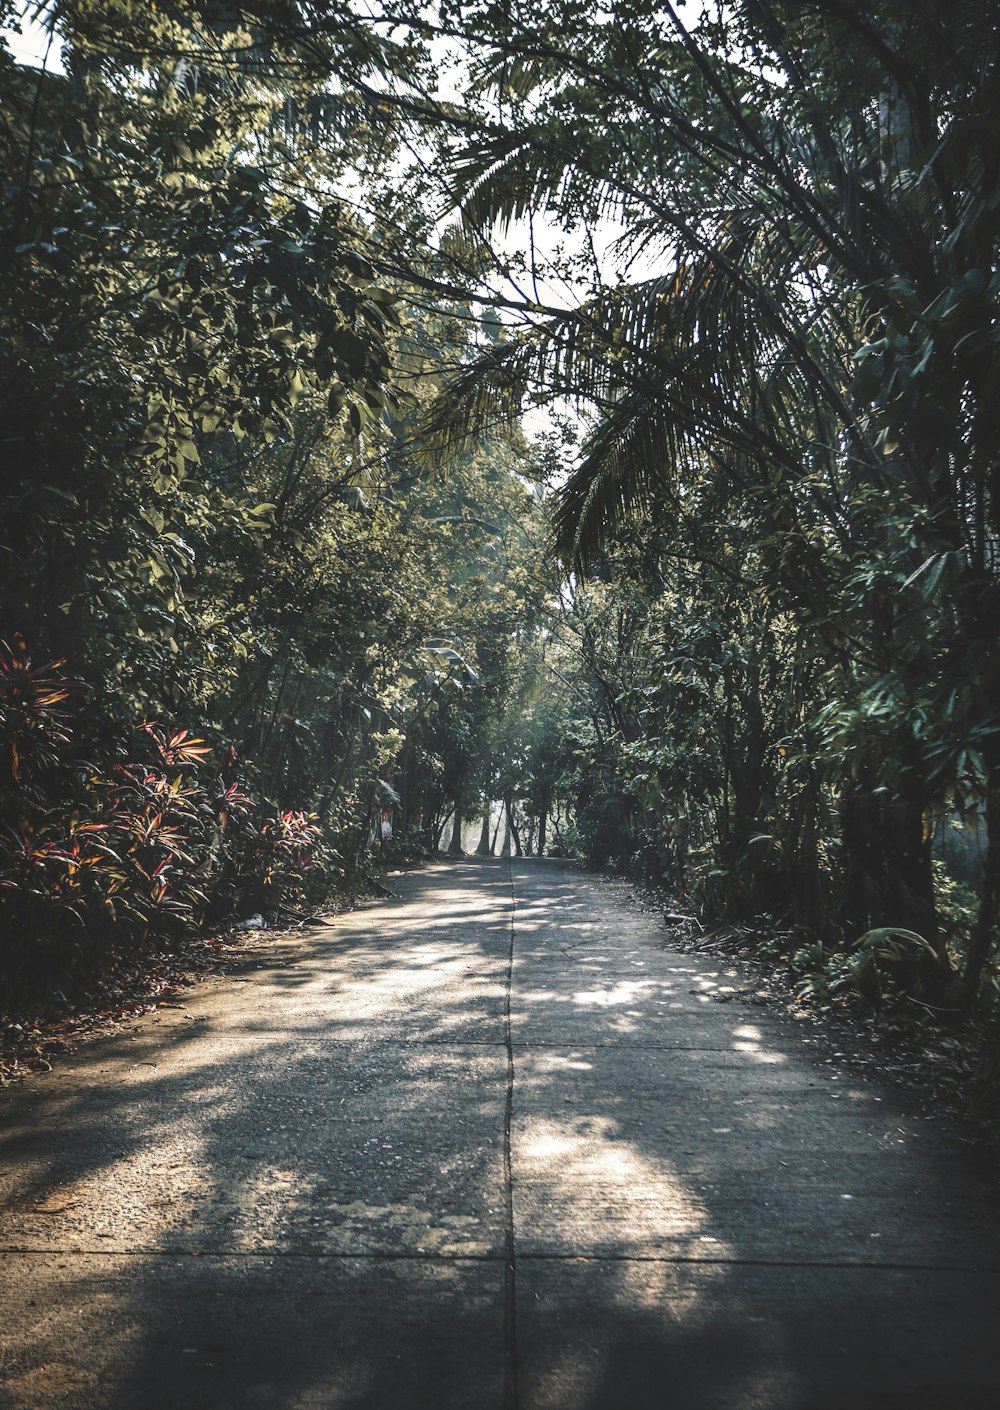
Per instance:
(489,1145)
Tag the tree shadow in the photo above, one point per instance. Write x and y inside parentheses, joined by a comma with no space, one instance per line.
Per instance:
(299,1200)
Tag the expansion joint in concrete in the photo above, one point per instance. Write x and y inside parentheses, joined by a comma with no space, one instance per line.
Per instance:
(510,1394)
(407,1256)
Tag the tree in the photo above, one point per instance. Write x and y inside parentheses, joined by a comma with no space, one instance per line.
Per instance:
(812,192)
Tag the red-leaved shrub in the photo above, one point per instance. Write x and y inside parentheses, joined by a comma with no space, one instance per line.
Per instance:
(137,850)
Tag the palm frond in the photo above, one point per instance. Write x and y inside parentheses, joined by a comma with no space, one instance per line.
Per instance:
(505,175)
(628,466)
(487,392)
(703,365)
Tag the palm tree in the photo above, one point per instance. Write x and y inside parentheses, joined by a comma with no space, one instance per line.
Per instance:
(816,192)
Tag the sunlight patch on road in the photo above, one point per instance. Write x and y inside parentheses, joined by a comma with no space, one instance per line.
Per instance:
(587,1190)
(747,1038)
(623,991)
(545,1064)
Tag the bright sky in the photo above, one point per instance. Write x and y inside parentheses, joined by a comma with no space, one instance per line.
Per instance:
(32,45)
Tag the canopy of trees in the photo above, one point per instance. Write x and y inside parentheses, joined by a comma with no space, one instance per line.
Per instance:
(280,280)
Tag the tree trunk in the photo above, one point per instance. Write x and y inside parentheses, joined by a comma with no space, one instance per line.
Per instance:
(484,849)
(505,849)
(455,845)
(984,934)
(402,831)
(513,828)
(865,880)
(889,880)
(541,832)
(557,832)
(912,875)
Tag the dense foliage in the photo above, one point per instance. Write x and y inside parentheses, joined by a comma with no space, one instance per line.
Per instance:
(787,495)
(264,619)
(748,257)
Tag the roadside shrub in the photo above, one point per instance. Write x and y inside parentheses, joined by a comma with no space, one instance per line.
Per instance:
(874,972)
(136,849)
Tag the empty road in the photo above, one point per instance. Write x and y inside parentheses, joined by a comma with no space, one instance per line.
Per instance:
(490,1145)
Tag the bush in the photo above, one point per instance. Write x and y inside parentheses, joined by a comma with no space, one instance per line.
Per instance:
(878,968)
(136,849)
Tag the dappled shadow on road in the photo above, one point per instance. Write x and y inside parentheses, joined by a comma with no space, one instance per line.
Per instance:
(293,1200)
(297,1198)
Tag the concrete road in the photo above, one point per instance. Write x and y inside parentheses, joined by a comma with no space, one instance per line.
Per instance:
(488,1145)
